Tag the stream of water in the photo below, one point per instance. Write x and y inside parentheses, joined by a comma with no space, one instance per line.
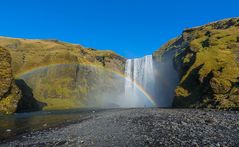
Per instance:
(139,72)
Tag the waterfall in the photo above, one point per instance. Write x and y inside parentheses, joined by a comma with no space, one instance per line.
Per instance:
(139,71)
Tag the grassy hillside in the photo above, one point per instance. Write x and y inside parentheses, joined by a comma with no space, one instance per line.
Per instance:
(29,54)
(207,61)
(51,91)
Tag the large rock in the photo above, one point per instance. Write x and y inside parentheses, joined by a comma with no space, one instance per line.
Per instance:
(9,92)
(207,62)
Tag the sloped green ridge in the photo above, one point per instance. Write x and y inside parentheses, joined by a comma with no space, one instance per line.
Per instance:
(207,62)
(32,54)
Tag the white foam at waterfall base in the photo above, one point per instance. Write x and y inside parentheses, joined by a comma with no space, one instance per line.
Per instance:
(139,71)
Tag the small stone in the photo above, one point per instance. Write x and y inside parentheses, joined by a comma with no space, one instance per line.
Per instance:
(183,123)
(8,130)
(209,120)
(81,141)
(195,144)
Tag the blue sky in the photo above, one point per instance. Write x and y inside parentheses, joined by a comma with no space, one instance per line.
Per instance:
(132,28)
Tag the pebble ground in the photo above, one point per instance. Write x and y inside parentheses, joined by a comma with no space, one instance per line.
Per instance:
(141,127)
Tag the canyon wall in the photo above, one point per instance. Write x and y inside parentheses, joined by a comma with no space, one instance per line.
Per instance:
(206,60)
(50,91)
(197,69)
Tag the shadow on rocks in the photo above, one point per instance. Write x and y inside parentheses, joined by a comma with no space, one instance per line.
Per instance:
(27,102)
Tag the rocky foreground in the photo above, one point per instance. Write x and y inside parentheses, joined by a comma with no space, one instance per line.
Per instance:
(142,127)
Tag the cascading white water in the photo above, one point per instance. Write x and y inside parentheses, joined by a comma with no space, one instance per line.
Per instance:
(139,71)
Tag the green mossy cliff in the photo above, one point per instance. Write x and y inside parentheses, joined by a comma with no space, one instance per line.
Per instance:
(9,92)
(52,92)
(75,86)
(206,59)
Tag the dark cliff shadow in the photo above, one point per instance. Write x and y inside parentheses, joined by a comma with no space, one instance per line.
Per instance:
(27,102)
(195,88)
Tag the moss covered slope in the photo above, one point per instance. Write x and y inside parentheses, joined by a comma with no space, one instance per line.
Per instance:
(29,54)
(9,92)
(48,90)
(207,62)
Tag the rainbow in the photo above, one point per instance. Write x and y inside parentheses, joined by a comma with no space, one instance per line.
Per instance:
(137,85)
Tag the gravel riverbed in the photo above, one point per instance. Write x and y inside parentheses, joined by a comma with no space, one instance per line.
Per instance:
(141,127)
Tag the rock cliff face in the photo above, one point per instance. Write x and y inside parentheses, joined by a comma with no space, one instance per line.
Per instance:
(207,62)
(56,87)
(9,92)
(76,86)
